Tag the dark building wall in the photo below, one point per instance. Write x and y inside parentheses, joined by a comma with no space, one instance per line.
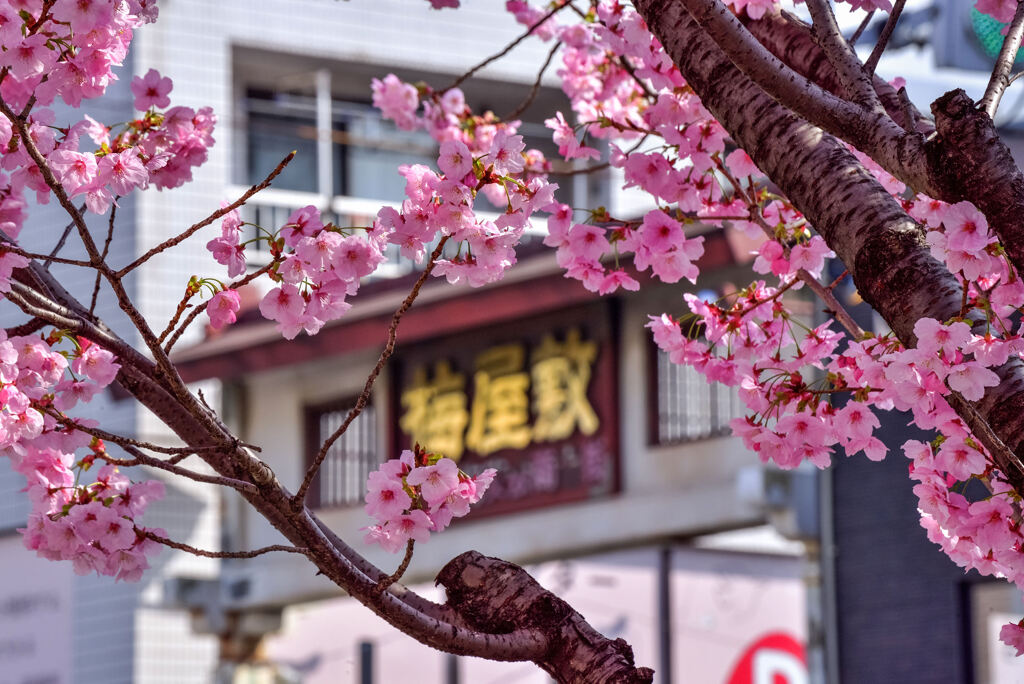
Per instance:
(900,612)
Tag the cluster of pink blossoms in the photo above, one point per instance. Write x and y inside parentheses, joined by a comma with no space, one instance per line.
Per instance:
(478,155)
(622,88)
(92,524)
(68,49)
(321,265)
(416,494)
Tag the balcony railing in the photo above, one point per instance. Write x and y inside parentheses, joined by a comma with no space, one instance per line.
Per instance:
(271,209)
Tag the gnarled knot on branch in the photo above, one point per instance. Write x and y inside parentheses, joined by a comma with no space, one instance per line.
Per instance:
(498,597)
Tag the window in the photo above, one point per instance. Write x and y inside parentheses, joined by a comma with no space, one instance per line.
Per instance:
(342,477)
(348,155)
(688,406)
(364,149)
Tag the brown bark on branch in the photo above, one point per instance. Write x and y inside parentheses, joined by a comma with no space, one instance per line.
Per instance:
(971,162)
(790,39)
(495,596)
(440,626)
(880,245)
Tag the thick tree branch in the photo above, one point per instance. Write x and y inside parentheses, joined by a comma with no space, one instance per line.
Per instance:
(791,40)
(883,249)
(842,57)
(875,133)
(883,37)
(437,626)
(496,596)
(1000,78)
(971,162)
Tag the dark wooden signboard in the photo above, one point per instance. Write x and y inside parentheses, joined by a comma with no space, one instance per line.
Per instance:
(535,399)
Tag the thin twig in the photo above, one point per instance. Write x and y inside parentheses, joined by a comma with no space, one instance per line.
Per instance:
(508,48)
(1004,63)
(27,328)
(605,165)
(386,582)
(11,247)
(907,108)
(300,496)
(860,29)
(174,382)
(838,279)
(121,440)
(182,305)
(63,239)
(883,38)
(103,255)
(824,294)
(149,534)
(535,88)
(177,239)
(139,458)
(202,307)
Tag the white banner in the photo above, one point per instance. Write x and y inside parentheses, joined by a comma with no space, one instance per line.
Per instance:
(35,617)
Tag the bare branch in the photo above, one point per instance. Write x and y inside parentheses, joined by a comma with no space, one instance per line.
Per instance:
(508,48)
(535,88)
(300,496)
(63,239)
(883,38)
(900,153)
(103,256)
(860,29)
(177,239)
(1004,63)
(139,458)
(841,55)
(11,247)
(402,567)
(120,440)
(27,328)
(909,112)
(200,308)
(149,534)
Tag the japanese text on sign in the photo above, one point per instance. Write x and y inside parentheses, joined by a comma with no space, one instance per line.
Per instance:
(509,405)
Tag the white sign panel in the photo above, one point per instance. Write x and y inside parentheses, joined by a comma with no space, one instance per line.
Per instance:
(35,617)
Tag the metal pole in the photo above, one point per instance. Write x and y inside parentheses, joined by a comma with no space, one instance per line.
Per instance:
(665,615)
(324,135)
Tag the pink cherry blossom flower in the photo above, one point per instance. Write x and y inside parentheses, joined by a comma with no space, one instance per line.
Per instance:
(223,308)
(970,379)
(616,279)
(151,90)
(506,153)
(97,364)
(385,497)
(1012,634)
(396,100)
(436,482)
(455,159)
(934,337)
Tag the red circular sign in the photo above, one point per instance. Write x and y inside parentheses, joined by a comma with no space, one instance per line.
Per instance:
(776,658)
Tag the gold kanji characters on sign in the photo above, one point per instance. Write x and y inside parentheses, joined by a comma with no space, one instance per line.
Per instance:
(435,414)
(561,376)
(500,417)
